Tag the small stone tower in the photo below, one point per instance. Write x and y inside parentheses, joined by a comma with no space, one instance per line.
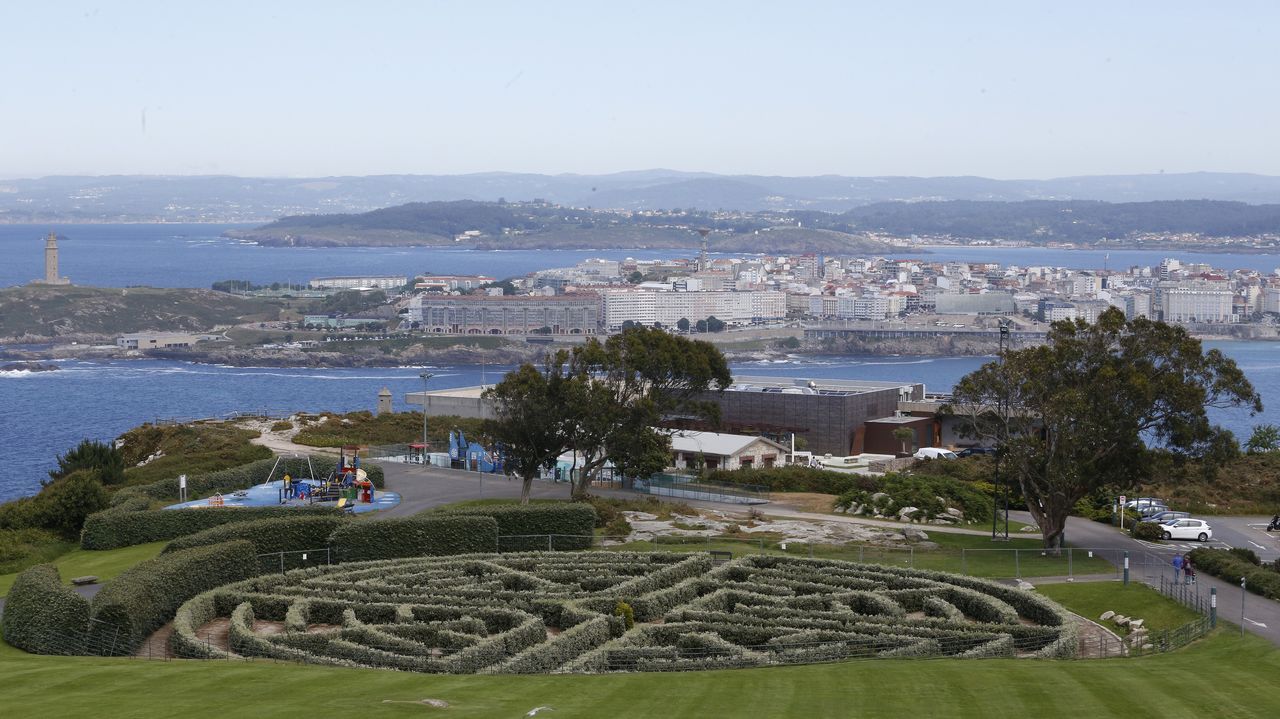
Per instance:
(51,263)
(384,401)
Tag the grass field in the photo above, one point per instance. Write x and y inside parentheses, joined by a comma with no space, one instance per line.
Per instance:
(1091,599)
(1221,676)
(105,564)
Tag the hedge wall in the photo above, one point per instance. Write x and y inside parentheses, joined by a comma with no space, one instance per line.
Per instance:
(280,534)
(112,529)
(42,616)
(360,541)
(140,601)
(1232,568)
(574,521)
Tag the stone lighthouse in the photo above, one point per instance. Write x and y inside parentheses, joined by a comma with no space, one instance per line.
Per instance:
(384,401)
(51,263)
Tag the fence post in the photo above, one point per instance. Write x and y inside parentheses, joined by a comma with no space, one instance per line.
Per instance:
(911,558)
(548,542)
(1070,565)
(282,562)
(964,561)
(1126,567)
(1213,607)
(1017,565)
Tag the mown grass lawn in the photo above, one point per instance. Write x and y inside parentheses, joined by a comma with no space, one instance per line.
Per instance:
(105,564)
(1092,599)
(1221,676)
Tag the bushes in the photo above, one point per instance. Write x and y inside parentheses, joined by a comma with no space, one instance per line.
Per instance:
(796,479)
(42,616)
(140,601)
(923,492)
(1232,568)
(281,534)
(413,537)
(526,526)
(247,475)
(396,428)
(61,506)
(113,529)
(22,548)
(1149,531)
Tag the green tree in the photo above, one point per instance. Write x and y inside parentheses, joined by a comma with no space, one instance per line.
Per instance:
(1265,438)
(91,454)
(700,326)
(64,504)
(622,388)
(683,324)
(636,277)
(1090,407)
(529,420)
(715,325)
(904,435)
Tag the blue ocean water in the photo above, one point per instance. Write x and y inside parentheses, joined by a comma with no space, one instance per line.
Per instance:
(45,413)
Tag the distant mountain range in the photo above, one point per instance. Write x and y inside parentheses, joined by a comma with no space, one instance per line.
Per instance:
(122,198)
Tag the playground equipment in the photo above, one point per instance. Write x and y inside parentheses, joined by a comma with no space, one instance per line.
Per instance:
(473,456)
(346,484)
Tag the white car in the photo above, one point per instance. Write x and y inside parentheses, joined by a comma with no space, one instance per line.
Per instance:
(1187,529)
(934,453)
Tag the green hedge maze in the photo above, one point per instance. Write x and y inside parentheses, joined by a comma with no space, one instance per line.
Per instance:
(545,612)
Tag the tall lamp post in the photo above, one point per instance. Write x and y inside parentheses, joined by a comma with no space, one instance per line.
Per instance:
(1002,487)
(426,378)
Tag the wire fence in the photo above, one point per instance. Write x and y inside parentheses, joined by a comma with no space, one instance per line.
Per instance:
(281,562)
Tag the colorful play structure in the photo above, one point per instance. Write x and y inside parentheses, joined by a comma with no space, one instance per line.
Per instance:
(473,456)
(346,485)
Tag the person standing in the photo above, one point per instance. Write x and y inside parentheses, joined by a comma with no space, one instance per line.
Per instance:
(1177,568)
(1187,571)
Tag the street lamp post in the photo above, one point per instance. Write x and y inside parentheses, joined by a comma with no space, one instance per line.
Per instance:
(426,377)
(1002,487)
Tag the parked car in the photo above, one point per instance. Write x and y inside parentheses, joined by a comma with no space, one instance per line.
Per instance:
(1140,502)
(1197,529)
(1153,509)
(971,451)
(1165,516)
(934,453)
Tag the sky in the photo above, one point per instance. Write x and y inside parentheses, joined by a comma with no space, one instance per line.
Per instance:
(1022,89)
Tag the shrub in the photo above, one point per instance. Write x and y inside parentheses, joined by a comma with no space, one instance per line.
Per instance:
(143,598)
(280,534)
(413,537)
(283,425)
(112,528)
(1147,530)
(22,548)
(526,526)
(42,616)
(628,614)
(796,479)
(1232,568)
(923,492)
(619,527)
(1246,554)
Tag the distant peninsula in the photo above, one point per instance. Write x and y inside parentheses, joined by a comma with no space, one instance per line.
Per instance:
(538,225)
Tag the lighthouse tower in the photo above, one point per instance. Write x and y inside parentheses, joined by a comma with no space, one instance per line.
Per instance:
(51,263)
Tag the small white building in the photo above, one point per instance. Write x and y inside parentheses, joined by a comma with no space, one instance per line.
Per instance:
(724,451)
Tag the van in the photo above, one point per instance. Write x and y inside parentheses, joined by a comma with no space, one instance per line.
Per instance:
(934,453)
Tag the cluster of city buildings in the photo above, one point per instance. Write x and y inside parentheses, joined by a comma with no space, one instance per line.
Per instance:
(601,296)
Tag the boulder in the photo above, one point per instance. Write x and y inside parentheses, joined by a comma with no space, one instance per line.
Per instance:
(1120,620)
(1106,615)
(906,513)
(953,512)
(1030,528)
(878,497)
(1135,624)
(914,535)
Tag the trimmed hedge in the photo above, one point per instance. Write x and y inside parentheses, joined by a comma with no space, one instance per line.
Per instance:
(1231,568)
(281,534)
(413,537)
(114,529)
(42,616)
(521,524)
(140,601)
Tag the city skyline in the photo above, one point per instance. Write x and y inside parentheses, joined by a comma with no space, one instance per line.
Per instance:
(286,90)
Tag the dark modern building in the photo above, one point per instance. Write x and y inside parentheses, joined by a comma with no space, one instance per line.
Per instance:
(829,415)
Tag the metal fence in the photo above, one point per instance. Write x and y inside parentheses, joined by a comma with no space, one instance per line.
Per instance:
(685,487)
(281,562)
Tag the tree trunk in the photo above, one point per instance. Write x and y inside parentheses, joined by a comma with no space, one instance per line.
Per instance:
(526,488)
(1053,527)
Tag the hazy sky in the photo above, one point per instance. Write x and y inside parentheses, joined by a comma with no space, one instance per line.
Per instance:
(1017,89)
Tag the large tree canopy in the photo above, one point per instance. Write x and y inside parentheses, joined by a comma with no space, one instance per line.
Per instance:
(1084,410)
(529,418)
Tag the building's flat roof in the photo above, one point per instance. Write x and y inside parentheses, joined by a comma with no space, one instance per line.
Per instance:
(815,385)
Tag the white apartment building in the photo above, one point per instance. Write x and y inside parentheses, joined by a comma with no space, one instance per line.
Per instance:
(668,308)
(1271,300)
(1198,303)
(382,282)
(1137,305)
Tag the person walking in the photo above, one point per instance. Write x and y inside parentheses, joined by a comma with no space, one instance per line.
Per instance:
(1177,568)
(1187,571)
